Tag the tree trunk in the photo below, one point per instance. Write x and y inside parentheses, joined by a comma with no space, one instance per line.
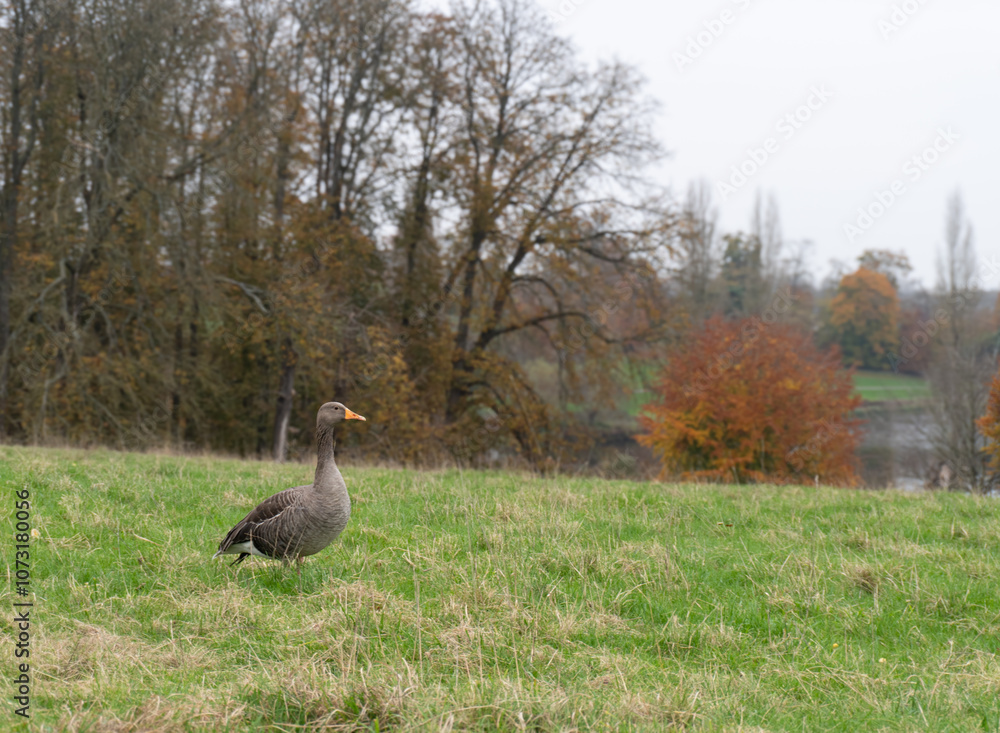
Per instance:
(15,159)
(286,391)
(175,394)
(458,390)
(8,236)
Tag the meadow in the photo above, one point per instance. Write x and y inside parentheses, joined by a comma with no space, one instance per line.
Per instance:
(890,387)
(499,601)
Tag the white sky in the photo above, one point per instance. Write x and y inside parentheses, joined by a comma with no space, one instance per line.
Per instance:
(890,96)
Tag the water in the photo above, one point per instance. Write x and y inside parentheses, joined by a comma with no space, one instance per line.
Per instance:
(895,450)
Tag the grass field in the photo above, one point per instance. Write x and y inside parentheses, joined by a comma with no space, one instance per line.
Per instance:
(489,601)
(888,387)
(872,386)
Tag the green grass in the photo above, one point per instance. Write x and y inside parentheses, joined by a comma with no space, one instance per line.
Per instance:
(887,386)
(491,601)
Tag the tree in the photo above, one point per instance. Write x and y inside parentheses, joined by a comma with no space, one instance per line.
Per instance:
(864,319)
(989,424)
(894,265)
(765,228)
(746,401)
(697,251)
(961,366)
(957,281)
(22,40)
(418,267)
(760,271)
(544,165)
(960,395)
(742,274)
(214,216)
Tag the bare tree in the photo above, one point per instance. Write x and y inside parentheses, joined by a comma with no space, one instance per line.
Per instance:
(957,286)
(961,368)
(547,160)
(765,225)
(354,94)
(960,381)
(697,249)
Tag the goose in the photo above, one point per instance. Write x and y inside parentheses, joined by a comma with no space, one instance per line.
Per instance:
(302,520)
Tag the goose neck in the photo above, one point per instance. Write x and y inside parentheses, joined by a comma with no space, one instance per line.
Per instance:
(327,473)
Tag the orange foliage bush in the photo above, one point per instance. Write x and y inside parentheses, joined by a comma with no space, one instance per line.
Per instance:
(990,424)
(747,401)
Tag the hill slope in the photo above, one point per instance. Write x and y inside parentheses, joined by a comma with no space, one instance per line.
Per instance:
(503,602)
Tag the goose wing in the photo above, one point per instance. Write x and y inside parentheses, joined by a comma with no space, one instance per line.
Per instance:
(249,528)
(282,535)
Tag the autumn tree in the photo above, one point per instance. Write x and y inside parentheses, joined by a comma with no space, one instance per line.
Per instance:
(989,424)
(748,401)
(93,318)
(864,319)
(215,216)
(419,289)
(545,159)
(918,329)
(894,265)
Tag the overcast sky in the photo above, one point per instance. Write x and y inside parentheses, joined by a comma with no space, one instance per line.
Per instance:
(886,80)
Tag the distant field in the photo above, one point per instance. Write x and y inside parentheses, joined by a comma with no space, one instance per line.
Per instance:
(501,602)
(872,386)
(886,386)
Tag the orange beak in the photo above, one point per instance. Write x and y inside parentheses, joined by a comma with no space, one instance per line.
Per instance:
(351,415)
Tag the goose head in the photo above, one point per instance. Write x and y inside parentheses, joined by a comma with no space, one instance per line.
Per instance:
(332,413)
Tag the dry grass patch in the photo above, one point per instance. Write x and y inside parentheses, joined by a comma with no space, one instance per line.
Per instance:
(514,512)
(863,577)
(858,540)
(92,651)
(313,701)
(159,714)
(77,541)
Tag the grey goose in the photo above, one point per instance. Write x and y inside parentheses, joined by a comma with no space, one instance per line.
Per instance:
(302,520)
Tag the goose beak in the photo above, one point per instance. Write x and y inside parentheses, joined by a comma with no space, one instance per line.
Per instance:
(351,415)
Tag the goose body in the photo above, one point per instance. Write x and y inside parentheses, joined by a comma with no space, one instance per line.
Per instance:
(302,520)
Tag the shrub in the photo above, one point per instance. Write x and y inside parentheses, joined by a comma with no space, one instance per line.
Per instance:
(747,401)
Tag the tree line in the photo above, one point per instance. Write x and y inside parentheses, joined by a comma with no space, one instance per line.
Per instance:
(216,216)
